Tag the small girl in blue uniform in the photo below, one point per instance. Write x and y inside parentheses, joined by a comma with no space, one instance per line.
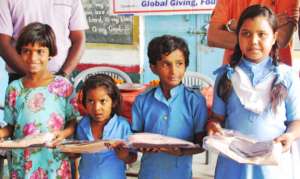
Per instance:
(171,109)
(257,96)
(102,100)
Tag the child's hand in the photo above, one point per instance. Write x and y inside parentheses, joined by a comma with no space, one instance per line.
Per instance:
(286,141)
(119,148)
(213,127)
(122,152)
(59,136)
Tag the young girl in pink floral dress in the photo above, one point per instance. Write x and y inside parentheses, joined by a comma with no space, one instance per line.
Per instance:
(37,103)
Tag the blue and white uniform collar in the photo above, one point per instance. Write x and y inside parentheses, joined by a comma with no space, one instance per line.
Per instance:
(174,92)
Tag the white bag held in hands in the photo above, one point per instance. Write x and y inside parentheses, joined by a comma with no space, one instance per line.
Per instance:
(244,149)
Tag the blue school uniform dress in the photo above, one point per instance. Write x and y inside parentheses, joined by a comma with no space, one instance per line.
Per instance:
(105,164)
(182,116)
(266,124)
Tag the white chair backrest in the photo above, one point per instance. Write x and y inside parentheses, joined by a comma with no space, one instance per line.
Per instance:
(112,72)
(196,80)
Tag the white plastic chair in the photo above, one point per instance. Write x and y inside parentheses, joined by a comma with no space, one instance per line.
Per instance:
(112,72)
(196,80)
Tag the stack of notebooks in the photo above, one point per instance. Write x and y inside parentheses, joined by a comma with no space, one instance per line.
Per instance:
(135,141)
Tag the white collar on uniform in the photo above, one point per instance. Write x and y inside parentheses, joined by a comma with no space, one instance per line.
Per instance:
(254,98)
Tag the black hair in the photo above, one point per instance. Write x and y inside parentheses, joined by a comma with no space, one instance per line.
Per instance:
(164,45)
(39,33)
(224,87)
(103,80)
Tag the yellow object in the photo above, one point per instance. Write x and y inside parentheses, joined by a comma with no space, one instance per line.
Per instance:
(154,83)
(118,81)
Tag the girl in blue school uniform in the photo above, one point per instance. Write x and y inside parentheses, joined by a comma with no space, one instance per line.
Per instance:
(102,100)
(257,96)
(170,109)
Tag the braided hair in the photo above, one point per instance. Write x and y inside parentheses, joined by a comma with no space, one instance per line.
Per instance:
(224,88)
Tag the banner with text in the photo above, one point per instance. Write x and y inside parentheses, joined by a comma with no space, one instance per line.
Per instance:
(154,7)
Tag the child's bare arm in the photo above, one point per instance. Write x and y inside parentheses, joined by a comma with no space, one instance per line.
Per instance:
(6,131)
(213,125)
(65,133)
(124,153)
(69,129)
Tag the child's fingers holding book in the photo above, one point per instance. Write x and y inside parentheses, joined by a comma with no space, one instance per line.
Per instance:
(213,127)
(286,141)
(58,138)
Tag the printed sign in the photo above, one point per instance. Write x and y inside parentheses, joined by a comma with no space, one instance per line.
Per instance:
(154,7)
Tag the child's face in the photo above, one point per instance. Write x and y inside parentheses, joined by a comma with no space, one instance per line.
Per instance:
(98,104)
(256,38)
(35,57)
(170,69)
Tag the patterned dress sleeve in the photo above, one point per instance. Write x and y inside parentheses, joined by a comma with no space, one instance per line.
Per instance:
(11,96)
(71,104)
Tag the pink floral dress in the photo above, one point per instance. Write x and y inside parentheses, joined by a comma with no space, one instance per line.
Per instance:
(37,110)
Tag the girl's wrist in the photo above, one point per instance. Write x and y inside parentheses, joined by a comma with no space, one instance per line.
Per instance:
(67,132)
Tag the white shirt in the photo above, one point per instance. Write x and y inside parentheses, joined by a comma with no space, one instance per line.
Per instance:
(62,15)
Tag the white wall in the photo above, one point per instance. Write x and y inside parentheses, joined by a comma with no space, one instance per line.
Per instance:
(114,56)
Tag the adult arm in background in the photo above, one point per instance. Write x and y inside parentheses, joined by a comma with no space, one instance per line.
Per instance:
(10,55)
(287,26)
(287,17)
(219,37)
(75,52)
